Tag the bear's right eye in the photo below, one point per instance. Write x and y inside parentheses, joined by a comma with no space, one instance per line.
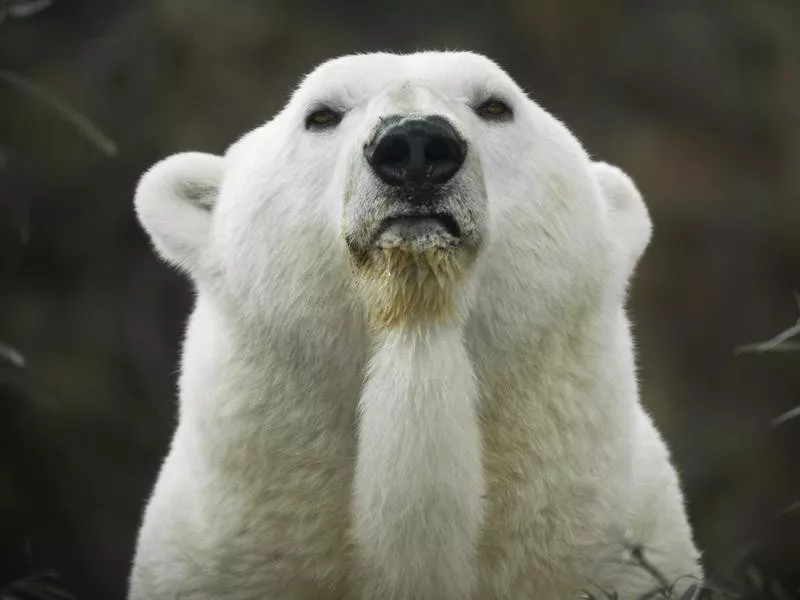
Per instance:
(322,118)
(494,109)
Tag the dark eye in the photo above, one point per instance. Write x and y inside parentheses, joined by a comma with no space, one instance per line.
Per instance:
(494,109)
(323,118)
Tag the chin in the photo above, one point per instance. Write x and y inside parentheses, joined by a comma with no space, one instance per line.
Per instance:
(411,271)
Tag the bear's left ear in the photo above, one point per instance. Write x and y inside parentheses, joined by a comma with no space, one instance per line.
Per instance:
(627,213)
(174,201)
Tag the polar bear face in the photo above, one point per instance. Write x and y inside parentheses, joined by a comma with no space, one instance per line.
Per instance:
(397,182)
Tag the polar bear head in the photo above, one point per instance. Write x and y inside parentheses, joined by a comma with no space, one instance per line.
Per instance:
(404,183)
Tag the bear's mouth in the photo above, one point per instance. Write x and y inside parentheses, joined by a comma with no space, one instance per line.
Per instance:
(418,232)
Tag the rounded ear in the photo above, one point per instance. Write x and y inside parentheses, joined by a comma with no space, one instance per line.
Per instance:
(174,200)
(628,216)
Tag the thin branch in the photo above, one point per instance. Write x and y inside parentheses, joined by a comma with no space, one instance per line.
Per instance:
(779,342)
(787,510)
(787,416)
(637,556)
(80,122)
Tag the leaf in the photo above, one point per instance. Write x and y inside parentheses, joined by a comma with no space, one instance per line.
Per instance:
(11,356)
(42,586)
(21,9)
(80,122)
(690,592)
(787,416)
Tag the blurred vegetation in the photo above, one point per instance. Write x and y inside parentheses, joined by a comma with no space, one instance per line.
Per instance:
(696,100)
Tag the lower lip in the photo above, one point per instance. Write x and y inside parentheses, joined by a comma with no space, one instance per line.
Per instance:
(417,233)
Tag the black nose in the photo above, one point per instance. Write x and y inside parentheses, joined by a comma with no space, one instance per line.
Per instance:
(416,151)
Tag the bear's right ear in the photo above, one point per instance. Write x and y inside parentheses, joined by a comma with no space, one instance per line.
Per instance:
(174,200)
(628,216)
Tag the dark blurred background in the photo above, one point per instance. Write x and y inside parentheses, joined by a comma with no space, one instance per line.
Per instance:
(698,100)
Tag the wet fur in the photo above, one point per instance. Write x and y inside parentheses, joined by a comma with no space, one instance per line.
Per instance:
(402,287)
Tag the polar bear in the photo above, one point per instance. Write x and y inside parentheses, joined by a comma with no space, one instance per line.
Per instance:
(408,374)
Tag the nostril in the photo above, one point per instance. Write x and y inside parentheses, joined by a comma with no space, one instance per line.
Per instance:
(394,151)
(444,156)
(437,150)
(390,158)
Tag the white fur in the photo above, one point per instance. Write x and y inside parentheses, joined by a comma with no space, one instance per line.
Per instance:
(499,452)
(419,481)
(632,227)
(173,201)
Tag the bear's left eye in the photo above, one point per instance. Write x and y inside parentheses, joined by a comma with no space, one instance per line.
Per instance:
(323,118)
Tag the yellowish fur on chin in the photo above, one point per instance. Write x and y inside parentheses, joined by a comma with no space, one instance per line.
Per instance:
(402,286)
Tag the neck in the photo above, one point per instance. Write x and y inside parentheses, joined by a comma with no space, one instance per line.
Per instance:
(419,478)
(565,396)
